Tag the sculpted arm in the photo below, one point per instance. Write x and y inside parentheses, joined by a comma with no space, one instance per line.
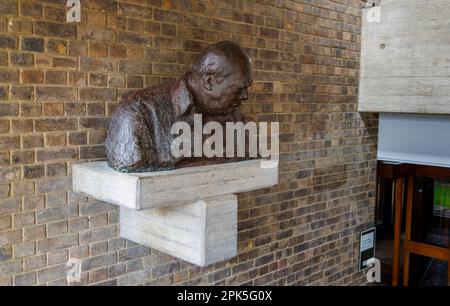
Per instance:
(129,143)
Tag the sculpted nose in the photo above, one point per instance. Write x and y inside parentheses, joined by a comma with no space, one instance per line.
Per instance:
(244,94)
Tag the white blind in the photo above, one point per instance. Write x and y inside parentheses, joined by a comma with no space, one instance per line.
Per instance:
(417,139)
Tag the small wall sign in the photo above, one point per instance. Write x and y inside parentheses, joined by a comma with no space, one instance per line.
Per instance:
(366,247)
(74,12)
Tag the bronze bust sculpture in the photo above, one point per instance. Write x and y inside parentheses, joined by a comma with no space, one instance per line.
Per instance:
(139,136)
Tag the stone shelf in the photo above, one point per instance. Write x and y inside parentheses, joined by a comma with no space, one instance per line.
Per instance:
(190,213)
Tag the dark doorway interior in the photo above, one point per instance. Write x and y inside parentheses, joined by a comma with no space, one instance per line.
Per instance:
(430,225)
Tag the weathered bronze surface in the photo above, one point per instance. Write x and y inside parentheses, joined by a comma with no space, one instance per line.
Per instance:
(139,136)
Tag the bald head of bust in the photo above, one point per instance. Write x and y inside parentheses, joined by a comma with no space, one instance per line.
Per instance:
(220,79)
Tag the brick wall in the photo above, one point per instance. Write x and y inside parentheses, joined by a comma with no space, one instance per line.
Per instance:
(59,83)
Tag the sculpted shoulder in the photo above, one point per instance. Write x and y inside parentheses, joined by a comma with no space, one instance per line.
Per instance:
(147,97)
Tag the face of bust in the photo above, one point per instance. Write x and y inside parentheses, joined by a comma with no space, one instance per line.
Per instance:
(224,96)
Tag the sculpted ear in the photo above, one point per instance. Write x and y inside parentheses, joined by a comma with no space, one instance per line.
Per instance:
(208,81)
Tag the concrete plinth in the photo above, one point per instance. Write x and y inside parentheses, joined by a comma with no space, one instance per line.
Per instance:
(170,188)
(190,213)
